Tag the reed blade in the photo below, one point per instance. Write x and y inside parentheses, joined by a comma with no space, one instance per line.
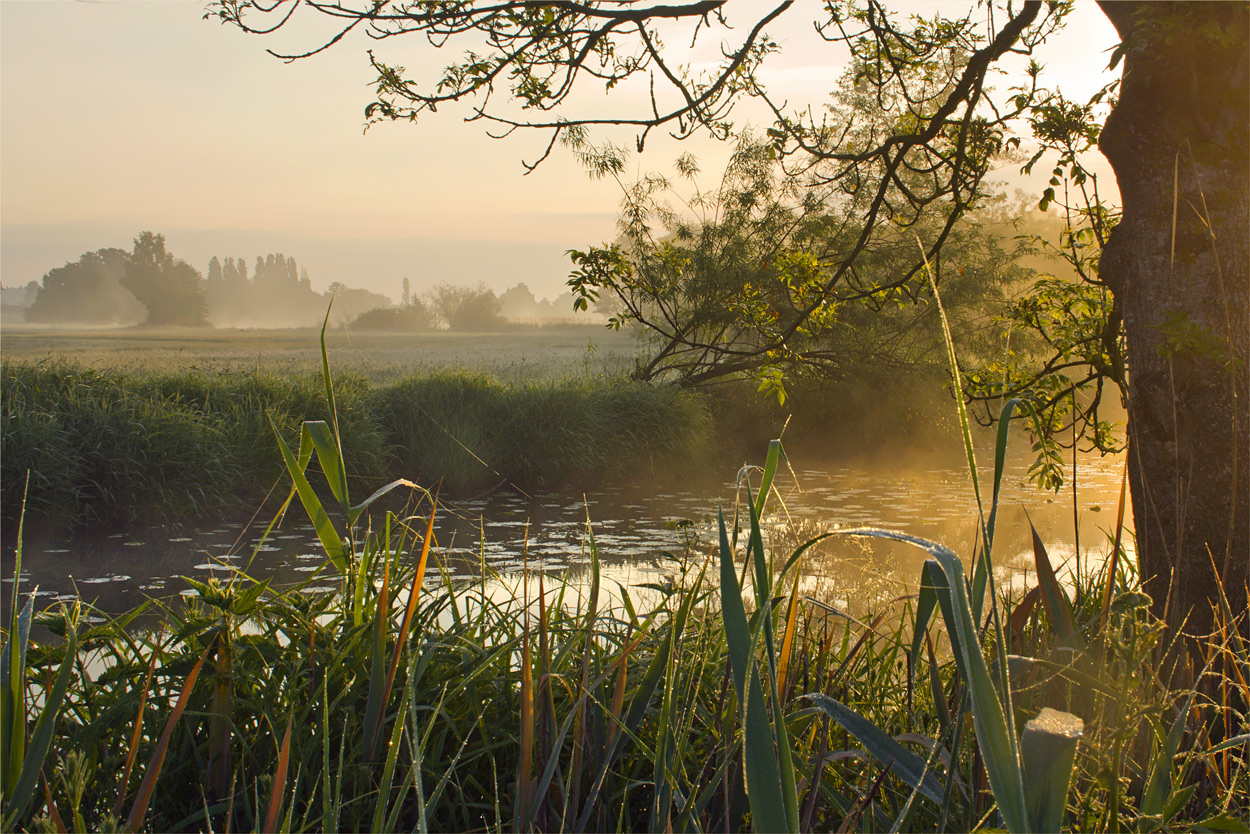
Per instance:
(326,533)
(418,581)
(148,786)
(1054,598)
(375,706)
(279,780)
(26,787)
(13,693)
(996,735)
(760,766)
(903,763)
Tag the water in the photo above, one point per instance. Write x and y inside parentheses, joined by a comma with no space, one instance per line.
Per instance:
(641,534)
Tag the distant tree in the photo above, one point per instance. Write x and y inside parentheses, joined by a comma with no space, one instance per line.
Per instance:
(467,308)
(414,316)
(87,291)
(519,303)
(172,290)
(350,302)
(407,293)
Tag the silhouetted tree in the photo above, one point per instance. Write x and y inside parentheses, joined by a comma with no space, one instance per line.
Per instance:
(467,308)
(172,290)
(87,291)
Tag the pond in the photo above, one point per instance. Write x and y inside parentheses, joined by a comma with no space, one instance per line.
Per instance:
(640,532)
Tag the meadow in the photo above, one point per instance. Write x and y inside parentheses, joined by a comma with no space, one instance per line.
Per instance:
(521,354)
(127,427)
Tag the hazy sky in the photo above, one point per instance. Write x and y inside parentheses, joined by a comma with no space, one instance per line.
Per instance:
(116,117)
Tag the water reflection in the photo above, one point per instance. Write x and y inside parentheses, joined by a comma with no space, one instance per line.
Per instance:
(637,532)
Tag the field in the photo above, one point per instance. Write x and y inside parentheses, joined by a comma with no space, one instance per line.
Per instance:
(538,353)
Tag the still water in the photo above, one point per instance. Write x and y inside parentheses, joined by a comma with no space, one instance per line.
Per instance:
(641,533)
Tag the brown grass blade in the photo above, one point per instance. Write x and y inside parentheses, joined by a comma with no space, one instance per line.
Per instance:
(418,581)
(54,816)
(148,786)
(787,642)
(1020,614)
(525,783)
(279,781)
(859,644)
(138,731)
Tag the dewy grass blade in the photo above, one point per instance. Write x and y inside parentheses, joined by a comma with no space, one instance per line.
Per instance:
(905,764)
(326,533)
(1048,748)
(760,767)
(996,734)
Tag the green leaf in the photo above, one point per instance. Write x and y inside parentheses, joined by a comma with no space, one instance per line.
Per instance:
(760,769)
(329,537)
(1053,596)
(331,459)
(354,512)
(770,471)
(884,748)
(1048,747)
(996,735)
(19,798)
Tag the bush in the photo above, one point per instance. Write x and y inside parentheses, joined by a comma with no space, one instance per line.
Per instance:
(415,316)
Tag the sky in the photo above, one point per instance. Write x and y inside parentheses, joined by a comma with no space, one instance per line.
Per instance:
(119,117)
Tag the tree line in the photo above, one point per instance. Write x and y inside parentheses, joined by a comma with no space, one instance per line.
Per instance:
(149,285)
(465,309)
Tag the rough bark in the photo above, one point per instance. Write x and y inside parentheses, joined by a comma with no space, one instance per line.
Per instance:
(1179,137)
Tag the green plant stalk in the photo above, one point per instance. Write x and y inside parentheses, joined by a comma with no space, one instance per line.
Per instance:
(764,786)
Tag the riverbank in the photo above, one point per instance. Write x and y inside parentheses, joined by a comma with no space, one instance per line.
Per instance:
(113,449)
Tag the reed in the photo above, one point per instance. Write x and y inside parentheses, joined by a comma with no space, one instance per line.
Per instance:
(729,700)
(107,449)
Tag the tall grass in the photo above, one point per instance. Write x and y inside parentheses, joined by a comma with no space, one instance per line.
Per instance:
(725,699)
(471,431)
(107,449)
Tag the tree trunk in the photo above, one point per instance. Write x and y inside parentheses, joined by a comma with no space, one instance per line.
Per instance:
(1179,142)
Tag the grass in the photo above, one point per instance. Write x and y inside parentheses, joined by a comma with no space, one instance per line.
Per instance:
(404,700)
(729,700)
(396,702)
(112,449)
(535,354)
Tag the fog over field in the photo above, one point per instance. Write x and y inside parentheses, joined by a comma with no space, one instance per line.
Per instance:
(124,117)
